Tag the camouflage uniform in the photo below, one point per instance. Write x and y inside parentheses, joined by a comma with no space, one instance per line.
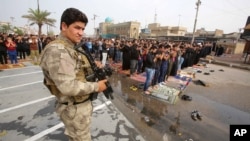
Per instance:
(64,72)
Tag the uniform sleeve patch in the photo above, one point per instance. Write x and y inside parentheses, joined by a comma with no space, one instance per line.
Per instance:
(66,65)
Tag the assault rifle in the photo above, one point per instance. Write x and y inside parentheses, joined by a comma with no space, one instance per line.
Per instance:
(99,73)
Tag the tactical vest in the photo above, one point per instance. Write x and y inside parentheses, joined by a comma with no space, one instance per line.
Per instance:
(82,70)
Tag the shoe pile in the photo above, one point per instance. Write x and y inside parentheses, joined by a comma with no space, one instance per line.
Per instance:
(196,115)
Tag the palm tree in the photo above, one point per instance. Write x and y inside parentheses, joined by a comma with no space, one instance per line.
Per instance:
(40,18)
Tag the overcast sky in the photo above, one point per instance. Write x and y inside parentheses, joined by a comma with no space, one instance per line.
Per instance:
(228,15)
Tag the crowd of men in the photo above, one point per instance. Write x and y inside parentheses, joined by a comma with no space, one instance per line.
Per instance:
(14,47)
(158,59)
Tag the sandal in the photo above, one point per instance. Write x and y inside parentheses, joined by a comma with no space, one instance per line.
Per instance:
(199,115)
(194,115)
(199,71)
(186,97)
(134,88)
(221,70)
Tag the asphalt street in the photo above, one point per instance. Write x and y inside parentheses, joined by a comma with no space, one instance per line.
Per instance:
(27,111)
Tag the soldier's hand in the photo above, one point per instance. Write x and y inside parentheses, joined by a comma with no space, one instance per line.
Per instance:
(102,85)
(99,64)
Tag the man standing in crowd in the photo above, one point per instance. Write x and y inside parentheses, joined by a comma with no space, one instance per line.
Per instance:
(3,51)
(65,72)
(149,68)
(34,49)
(11,49)
(134,55)
(21,47)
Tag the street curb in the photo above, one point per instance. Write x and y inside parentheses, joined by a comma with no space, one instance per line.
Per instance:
(227,64)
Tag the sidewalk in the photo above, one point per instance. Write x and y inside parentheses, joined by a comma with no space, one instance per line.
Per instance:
(21,63)
(230,60)
(10,66)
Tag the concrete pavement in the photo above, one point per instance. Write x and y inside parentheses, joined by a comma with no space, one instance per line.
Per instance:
(229,60)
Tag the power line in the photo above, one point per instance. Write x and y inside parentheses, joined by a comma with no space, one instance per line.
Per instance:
(225,10)
(236,6)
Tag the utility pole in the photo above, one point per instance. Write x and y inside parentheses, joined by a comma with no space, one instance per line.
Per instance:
(198,3)
(12,20)
(38,7)
(155,17)
(179,20)
(94,24)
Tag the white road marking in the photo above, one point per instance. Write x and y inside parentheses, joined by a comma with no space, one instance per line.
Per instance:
(1,89)
(25,104)
(101,106)
(20,68)
(60,125)
(45,132)
(20,74)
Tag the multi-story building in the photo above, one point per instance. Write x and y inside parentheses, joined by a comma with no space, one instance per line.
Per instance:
(155,30)
(213,34)
(131,29)
(202,35)
(108,29)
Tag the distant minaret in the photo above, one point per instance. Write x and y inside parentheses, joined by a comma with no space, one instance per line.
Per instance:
(155,18)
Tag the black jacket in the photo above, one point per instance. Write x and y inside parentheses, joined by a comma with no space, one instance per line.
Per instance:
(149,62)
(134,53)
(3,47)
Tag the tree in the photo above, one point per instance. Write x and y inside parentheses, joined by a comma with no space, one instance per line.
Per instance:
(40,18)
(5,28)
(18,31)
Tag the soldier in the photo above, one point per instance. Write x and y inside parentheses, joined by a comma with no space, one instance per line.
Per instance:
(64,72)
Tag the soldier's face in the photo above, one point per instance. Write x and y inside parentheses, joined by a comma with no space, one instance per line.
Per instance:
(74,32)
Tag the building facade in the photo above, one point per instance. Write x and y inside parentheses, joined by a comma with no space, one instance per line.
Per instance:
(155,30)
(126,30)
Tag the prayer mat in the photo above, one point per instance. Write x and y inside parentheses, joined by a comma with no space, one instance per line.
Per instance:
(166,93)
